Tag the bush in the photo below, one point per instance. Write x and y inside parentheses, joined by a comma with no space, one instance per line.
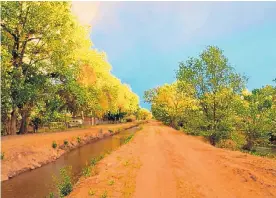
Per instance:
(2,155)
(54,144)
(93,161)
(65,142)
(78,139)
(110,131)
(65,185)
(130,118)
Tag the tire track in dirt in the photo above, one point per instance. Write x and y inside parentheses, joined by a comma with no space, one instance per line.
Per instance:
(203,167)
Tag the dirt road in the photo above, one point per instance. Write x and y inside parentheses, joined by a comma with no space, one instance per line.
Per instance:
(25,152)
(162,162)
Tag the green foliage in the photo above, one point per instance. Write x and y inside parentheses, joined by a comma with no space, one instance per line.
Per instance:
(86,171)
(100,157)
(64,184)
(258,114)
(209,99)
(128,138)
(49,68)
(95,160)
(111,182)
(104,195)
(143,114)
(79,139)
(91,192)
(170,102)
(51,195)
(110,131)
(65,142)
(54,144)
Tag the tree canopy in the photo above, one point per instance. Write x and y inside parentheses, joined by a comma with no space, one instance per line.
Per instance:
(210,98)
(50,68)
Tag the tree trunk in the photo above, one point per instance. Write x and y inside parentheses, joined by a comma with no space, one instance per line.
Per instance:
(10,124)
(24,122)
(13,123)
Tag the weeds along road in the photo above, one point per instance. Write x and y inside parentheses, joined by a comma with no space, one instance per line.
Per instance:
(163,162)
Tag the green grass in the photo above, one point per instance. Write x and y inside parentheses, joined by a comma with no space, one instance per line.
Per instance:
(104,195)
(256,153)
(86,171)
(91,192)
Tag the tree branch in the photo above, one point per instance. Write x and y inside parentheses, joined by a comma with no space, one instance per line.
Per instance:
(9,31)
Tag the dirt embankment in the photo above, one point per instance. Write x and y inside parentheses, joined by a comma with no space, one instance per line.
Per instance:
(26,152)
(163,162)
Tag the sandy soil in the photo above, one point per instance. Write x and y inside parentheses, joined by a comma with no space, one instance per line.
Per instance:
(162,162)
(25,152)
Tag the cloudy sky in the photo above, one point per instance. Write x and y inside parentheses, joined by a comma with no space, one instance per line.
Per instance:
(145,41)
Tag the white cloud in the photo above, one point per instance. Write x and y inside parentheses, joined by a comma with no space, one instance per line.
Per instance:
(86,11)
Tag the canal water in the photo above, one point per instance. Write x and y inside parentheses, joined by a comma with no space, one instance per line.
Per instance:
(39,182)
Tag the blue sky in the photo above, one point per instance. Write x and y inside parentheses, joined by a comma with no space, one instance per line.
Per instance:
(145,41)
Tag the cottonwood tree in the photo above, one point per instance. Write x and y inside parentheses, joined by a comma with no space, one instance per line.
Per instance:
(213,79)
(171,101)
(258,116)
(37,38)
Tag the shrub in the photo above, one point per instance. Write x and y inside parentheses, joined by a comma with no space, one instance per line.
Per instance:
(130,118)
(78,139)
(51,195)
(65,185)
(110,131)
(65,142)
(54,144)
(93,161)
(100,157)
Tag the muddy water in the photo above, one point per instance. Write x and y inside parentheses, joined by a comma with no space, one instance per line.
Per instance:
(39,183)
